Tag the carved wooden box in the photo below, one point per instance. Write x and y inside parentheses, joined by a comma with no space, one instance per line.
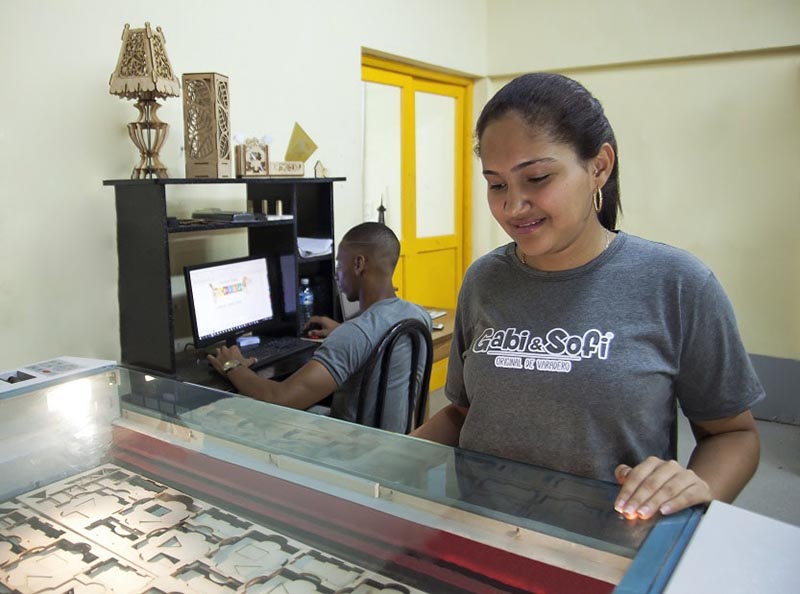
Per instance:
(206,123)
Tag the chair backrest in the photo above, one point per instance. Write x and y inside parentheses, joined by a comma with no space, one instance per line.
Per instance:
(379,366)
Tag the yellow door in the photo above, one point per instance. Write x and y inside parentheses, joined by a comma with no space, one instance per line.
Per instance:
(417,166)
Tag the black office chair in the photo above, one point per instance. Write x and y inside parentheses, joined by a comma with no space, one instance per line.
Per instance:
(379,365)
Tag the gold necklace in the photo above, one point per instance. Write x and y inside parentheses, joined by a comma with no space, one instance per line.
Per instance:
(608,235)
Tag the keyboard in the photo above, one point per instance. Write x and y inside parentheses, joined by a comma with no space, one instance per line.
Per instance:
(275,348)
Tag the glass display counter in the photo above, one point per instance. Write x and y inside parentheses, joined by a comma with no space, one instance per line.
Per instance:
(125,482)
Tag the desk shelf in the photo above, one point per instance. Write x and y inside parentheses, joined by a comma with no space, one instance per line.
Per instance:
(146,303)
(206,226)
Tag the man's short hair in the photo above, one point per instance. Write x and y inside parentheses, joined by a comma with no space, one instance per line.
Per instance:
(380,241)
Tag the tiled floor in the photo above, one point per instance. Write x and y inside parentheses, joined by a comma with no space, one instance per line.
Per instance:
(775,489)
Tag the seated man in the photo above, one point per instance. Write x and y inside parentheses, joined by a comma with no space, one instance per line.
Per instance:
(365,263)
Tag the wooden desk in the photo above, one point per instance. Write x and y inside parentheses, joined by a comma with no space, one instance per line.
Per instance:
(443,338)
(193,368)
(441,347)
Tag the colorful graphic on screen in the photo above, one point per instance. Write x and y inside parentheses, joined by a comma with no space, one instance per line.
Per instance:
(229,297)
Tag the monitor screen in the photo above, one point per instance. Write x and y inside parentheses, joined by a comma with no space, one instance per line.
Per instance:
(227,299)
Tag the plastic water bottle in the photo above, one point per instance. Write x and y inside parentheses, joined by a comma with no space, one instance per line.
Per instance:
(306,309)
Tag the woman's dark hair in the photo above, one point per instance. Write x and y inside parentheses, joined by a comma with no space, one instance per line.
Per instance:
(569,114)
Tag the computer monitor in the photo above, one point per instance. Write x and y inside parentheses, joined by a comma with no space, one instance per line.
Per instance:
(289,283)
(229,298)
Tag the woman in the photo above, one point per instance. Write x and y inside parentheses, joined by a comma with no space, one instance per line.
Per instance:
(573,343)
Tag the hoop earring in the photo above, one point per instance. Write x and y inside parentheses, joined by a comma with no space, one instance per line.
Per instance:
(597,200)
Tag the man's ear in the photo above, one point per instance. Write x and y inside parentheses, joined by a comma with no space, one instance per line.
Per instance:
(359,264)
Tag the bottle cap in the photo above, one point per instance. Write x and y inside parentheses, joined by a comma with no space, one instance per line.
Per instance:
(304,281)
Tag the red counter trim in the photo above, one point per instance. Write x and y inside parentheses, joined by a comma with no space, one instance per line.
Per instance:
(423,550)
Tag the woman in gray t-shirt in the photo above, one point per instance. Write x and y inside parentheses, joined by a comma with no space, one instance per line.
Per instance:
(574,344)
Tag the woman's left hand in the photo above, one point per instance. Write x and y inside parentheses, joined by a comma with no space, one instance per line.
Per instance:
(658,485)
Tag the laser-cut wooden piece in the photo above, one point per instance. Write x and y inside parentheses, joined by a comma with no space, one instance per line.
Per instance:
(207,125)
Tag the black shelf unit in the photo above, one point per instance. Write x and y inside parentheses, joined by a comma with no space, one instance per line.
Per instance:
(199,225)
(147,324)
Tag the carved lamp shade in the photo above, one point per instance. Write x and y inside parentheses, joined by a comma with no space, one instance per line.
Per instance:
(143,73)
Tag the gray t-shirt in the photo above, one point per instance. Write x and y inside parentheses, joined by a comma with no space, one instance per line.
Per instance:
(578,370)
(345,351)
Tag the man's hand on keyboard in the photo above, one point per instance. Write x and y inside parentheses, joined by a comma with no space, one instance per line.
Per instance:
(320,326)
(226,354)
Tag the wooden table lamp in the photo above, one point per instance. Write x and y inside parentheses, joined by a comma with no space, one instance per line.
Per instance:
(143,73)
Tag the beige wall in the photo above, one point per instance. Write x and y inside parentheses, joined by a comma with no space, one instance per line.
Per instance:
(709,145)
(710,166)
(525,34)
(62,133)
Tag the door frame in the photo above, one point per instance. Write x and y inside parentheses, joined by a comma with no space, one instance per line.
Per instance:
(385,71)
(372,66)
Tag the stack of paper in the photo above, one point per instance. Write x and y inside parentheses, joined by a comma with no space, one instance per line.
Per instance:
(314,246)
(436,313)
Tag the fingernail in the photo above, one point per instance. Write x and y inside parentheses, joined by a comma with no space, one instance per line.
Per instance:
(644,512)
(665,509)
(629,511)
(619,505)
